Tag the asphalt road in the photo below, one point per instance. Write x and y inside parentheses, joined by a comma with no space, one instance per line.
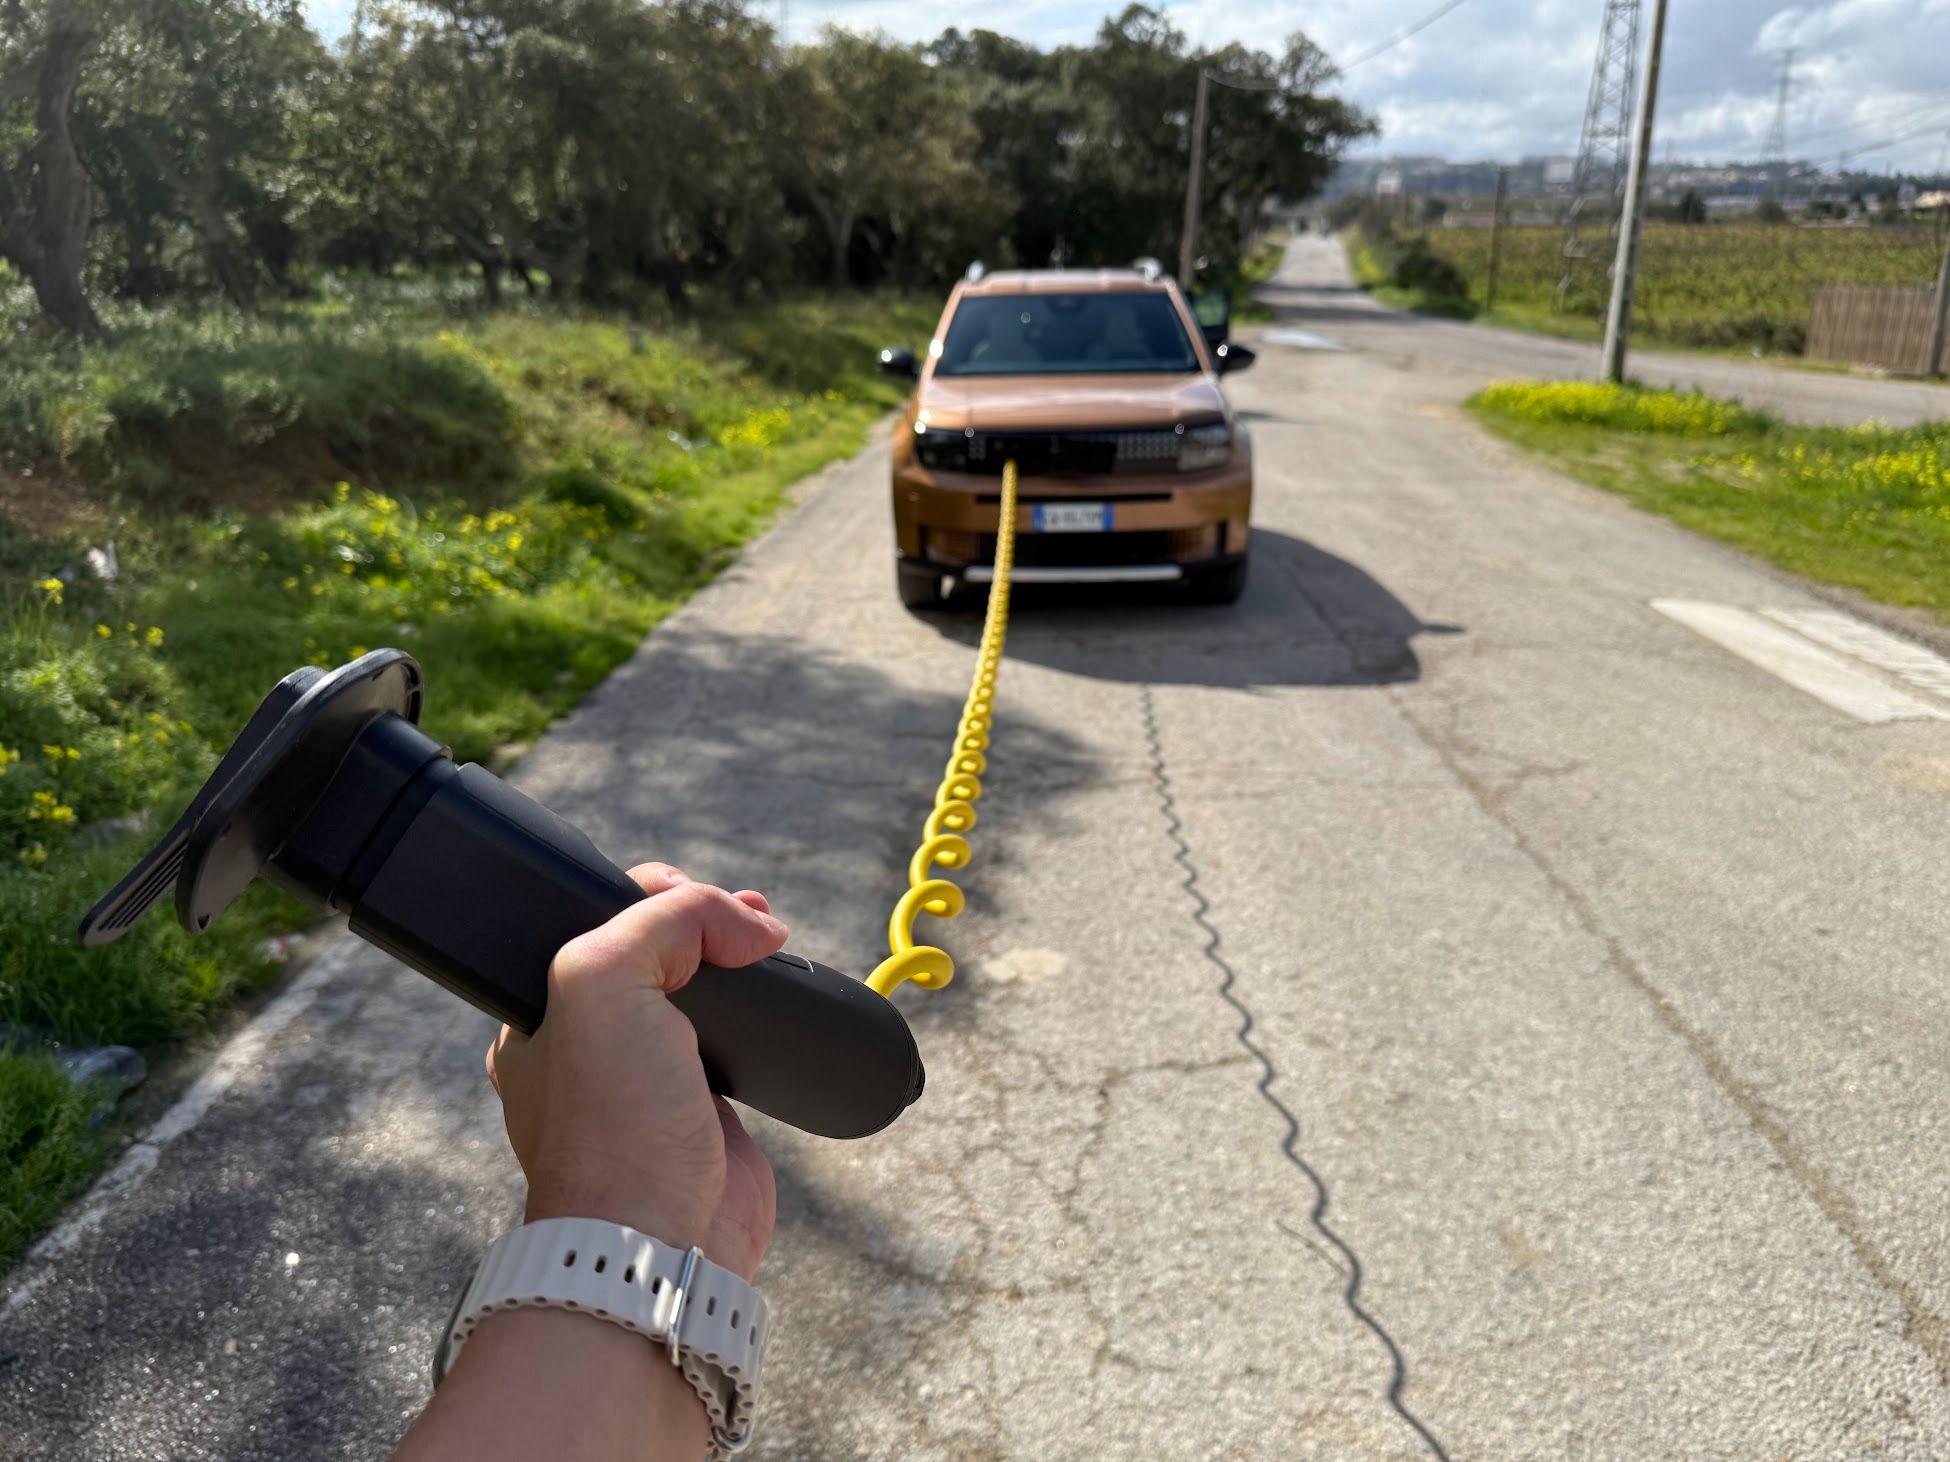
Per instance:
(1316,281)
(1438,1006)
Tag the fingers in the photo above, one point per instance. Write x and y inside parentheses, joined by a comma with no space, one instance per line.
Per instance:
(742,1226)
(738,1144)
(656,878)
(505,1038)
(667,936)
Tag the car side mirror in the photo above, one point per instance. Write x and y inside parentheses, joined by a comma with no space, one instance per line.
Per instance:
(1235,357)
(898,362)
(1212,308)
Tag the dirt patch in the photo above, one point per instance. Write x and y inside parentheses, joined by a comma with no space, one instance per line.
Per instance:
(45,502)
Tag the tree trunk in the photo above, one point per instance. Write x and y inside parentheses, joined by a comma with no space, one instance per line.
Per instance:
(145,275)
(490,280)
(839,233)
(45,213)
(234,273)
(842,238)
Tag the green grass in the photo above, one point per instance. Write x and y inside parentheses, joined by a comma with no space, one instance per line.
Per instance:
(1865,507)
(48,1149)
(516,499)
(1717,286)
(1398,274)
(1259,265)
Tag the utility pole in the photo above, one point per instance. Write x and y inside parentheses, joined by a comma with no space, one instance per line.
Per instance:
(1618,319)
(1496,237)
(1934,365)
(1188,237)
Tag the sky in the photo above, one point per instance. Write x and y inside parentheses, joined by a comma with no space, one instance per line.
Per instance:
(1508,78)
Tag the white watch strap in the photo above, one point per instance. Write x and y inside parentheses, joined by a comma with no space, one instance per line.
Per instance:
(713,1323)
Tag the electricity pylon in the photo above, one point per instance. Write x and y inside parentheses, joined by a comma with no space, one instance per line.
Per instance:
(1605,145)
(1776,149)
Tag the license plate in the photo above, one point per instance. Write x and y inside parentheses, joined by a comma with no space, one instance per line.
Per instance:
(1072,517)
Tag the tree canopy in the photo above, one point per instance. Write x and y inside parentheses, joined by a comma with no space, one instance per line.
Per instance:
(595,147)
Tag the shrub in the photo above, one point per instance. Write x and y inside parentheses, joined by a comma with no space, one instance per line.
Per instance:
(1627,408)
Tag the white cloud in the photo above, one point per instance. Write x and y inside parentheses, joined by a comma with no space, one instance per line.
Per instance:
(1504,77)
(1508,77)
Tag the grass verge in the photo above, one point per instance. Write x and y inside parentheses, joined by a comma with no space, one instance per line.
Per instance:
(1867,507)
(1259,265)
(1407,275)
(515,498)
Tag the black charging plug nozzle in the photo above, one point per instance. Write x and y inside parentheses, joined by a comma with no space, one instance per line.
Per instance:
(334,792)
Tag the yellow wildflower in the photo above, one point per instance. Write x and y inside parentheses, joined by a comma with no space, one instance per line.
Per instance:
(153,639)
(34,857)
(104,631)
(50,587)
(47,807)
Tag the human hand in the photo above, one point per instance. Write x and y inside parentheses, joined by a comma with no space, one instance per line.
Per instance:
(606,1104)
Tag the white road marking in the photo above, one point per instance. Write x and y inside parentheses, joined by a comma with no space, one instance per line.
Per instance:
(1304,339)
(1904,659)
(241,1053)
(1806,666)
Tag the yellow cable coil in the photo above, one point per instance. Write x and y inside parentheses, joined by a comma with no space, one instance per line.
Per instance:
(942,840)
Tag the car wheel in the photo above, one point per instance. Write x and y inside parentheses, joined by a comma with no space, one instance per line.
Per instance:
(1221,585)
(920,588)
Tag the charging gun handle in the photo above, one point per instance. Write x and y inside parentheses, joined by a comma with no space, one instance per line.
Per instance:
(484,885)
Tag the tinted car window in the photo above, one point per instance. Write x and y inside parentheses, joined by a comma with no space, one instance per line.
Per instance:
(1065,334)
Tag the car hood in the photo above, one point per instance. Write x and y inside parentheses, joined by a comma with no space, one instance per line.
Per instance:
(1052,403)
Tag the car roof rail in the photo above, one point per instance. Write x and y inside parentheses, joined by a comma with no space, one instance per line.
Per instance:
(1149,267)
(975,272)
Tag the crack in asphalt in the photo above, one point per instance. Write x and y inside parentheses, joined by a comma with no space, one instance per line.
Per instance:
(1269,1073)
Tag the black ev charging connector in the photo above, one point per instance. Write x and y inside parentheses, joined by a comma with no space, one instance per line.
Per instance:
(333,792)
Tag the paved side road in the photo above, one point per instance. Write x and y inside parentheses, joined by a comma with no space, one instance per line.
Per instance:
(1436,1007)
(1473,355)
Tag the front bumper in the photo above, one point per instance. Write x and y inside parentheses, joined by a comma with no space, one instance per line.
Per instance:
(1161,527)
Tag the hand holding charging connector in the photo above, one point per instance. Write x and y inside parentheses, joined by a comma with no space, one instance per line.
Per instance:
(333,792)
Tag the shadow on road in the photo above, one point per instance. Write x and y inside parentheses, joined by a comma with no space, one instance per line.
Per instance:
(805,773)
(1308,617)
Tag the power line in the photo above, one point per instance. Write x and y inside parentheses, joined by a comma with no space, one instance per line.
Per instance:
(1395,40)
(1903,112)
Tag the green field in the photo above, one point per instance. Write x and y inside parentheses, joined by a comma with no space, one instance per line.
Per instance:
(1711,285)
(1865,507)
(515,497)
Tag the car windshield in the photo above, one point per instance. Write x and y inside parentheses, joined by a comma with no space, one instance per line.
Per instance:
(1066,334)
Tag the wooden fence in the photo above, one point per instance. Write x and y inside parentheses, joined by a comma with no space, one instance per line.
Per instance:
(1885,325)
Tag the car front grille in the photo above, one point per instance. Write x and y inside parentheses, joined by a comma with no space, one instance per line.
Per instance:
(1077,453)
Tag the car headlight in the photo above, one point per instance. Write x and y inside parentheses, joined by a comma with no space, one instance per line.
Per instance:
(1204,446)
(941,451)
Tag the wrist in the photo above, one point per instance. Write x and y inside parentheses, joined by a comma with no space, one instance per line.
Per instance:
(620,1390)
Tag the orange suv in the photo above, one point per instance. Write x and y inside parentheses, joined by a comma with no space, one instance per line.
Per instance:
(1103,386)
